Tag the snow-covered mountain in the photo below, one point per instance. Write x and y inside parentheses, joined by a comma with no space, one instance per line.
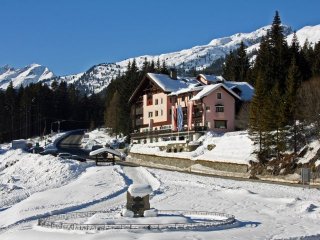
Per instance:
(198,57)
(99,76)
(23,76)
(312,33)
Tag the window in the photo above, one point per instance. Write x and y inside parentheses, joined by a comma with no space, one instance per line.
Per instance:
(190,95)
(161,112)
(156,113)
(149,99)
(220,124)
(161,100)
(183,98)
(150,114)
(207,108)
(219,95)
(170,112)
(156,102)
(219,108)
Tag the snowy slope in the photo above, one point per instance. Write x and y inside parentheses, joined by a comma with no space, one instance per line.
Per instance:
(23,76)
(312,33)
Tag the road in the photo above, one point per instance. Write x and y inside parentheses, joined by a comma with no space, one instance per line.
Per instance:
(72,144)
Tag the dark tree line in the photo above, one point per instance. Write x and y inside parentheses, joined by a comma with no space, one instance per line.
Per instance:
(117,110)
(279,72)
(36,109)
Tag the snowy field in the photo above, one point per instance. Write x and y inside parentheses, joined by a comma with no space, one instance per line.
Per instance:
(37,186)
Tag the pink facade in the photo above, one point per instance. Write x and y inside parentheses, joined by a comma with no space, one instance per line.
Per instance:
(205,106)
(155,110)
(218,110)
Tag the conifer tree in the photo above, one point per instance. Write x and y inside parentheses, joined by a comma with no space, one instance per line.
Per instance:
(316,60)
(256,126)
(158,66)
(242,64)
(292,83)
(229,67)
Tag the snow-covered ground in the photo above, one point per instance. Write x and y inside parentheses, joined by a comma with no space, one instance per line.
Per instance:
(264,211)
(234,147)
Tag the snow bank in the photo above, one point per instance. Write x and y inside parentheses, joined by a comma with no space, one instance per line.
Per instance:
(140,190)
(150,213)
(233,147)
(27,173)
(127,213)
(313,148)
(90,190)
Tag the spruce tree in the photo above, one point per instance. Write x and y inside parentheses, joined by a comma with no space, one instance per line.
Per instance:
(229,68)
(242,64)
(292,84)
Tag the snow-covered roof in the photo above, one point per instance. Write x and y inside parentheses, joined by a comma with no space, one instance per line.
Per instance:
(166,83)
(212,78)
(210,88)
(246,89)
(107,150)
(139,190)
(190,88)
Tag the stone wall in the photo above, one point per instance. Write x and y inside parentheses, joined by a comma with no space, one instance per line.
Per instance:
(187,164)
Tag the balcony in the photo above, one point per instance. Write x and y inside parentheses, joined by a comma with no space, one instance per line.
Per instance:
(139,122)
(139,111)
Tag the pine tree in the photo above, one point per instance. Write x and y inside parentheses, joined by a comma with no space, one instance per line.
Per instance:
(242,64)
(316,60)
(112,118)
(158,66)
(256,126)
(229,68)
(292,84)
(164,69)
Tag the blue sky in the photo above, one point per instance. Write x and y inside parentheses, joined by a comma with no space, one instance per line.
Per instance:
(69,36)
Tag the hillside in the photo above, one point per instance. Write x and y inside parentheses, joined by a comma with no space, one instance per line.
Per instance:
(32,73)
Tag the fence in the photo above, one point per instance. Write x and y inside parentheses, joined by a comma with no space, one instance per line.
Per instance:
(53,221)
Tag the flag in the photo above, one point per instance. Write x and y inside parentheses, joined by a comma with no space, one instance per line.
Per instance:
(174,118)
(190,110)
(180,118)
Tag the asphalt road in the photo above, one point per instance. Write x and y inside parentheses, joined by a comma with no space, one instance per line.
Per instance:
(72,144)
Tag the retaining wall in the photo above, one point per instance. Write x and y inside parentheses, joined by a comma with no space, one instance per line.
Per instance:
(189,165)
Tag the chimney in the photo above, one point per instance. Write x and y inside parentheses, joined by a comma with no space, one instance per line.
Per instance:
(173,73)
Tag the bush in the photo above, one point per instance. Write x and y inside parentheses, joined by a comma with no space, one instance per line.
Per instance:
(211,147)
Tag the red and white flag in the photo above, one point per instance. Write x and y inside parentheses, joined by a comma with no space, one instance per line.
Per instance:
(174,118)
(190,110)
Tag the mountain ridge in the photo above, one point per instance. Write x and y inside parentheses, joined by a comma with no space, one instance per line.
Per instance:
(97,77)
